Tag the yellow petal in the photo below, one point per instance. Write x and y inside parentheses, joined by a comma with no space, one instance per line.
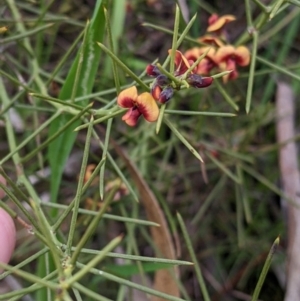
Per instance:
(210,54)
(147,106)
(220,22)
(242,56)
(127,97)
(210,40)
(224,53)
(3,29)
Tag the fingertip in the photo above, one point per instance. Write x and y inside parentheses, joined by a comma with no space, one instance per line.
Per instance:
(7,236)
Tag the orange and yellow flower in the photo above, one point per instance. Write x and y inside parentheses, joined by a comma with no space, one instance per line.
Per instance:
(184,62)
(137,105)
(221,56)
(216,23)
(228,58)
(207,63)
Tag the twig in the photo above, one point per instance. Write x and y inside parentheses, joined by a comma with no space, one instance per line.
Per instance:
(290,177)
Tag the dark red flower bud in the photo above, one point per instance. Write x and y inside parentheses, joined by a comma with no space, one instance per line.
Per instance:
(166,94)
(197,81)
(162,80)
(152,70)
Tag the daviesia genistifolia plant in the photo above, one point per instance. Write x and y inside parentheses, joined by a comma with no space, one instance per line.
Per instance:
(191,69)
(193,77)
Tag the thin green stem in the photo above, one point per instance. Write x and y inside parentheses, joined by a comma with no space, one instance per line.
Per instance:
(29,276)
(108,116)
(220,165)
(248,11)
(263,7)
(111,45)
(104,154)
(174,41)
(251,72)
(278,68)
(79,187)
(25,34)
(91,228)
(226,96)
(53,137)
(26,261)
(265,270)
(182,139)
(131,284)
(194,258)
(89,212)
(30,137)
(89,293)
(123,66)
(160,118)
(275,8)
(17,294)
(80,63)
(64,58)
(92,263)
(192,113)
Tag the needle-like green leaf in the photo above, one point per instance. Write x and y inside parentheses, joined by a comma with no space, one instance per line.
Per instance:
(79,82)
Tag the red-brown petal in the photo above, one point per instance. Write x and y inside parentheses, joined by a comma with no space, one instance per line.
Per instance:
(185,65)
(220,22)
(242,56)
(127,97)
(180,61)
(131,117)
(178,57)
(147,106)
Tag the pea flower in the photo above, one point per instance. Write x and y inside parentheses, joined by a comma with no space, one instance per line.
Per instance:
(211,40)
(162,88)
(229,57)
(137,105)
(184,62)
(216,23)
(207,63)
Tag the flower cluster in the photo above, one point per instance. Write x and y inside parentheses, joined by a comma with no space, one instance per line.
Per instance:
(163,87)
(220,54)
